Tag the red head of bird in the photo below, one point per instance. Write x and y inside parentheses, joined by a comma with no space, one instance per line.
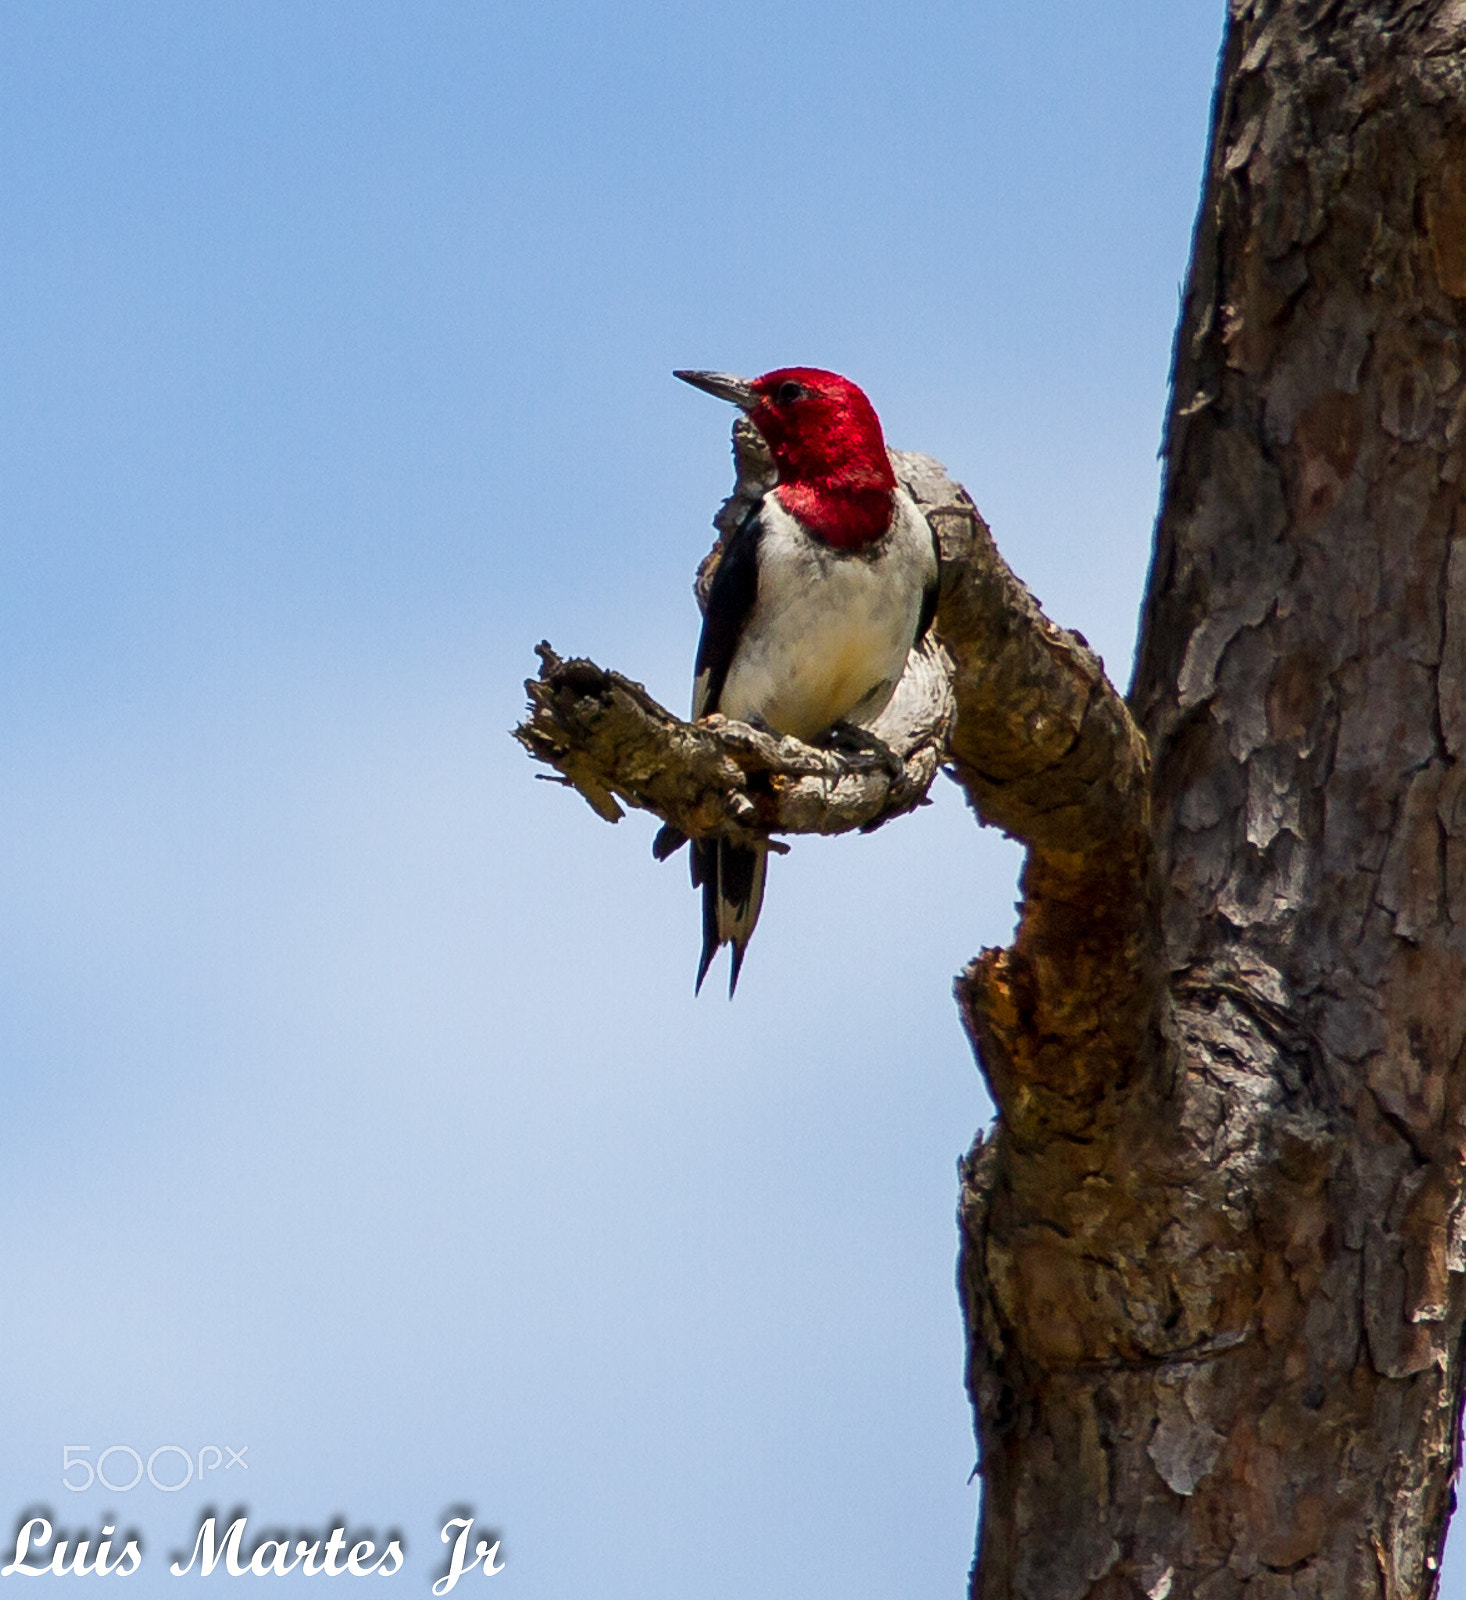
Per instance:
(826,441)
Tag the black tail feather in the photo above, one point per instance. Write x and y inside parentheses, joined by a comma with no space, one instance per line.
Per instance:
(705,876)
(731,878)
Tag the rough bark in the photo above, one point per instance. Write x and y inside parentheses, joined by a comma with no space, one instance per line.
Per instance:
(1216,1349)
(1213,1250)
(612,742)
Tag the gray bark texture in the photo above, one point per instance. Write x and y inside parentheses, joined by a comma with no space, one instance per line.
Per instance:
(1213,1257)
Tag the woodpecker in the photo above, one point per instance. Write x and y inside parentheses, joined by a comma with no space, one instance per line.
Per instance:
(818,598)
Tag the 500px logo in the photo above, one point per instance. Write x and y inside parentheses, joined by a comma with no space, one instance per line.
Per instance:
(165,1463)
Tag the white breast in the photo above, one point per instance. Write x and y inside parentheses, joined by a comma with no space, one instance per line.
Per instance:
(830,630)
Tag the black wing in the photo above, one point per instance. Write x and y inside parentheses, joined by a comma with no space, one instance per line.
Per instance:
(730,876)
(730,600)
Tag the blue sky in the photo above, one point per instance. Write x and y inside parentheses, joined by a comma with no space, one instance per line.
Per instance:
(362,1113)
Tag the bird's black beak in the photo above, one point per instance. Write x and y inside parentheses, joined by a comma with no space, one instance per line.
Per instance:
(724,385)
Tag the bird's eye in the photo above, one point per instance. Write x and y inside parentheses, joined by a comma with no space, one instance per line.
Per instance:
(790,392)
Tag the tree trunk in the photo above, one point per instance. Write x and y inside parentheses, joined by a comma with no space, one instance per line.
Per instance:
(1213,1251)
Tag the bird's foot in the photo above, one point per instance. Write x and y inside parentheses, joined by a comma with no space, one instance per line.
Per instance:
(849,738)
